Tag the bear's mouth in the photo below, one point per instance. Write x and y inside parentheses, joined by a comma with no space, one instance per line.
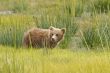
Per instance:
(53,40)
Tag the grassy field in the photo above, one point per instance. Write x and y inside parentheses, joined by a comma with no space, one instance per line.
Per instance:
(53,61)
(86,45)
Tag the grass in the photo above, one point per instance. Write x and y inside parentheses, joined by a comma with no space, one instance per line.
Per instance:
(13,25)
(95,31)
(54,61)
(93,18)
(59,13)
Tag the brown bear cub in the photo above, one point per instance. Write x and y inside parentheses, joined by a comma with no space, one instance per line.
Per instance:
(43,38)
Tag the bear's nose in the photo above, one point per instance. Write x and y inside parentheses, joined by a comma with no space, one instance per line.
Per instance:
(53,39)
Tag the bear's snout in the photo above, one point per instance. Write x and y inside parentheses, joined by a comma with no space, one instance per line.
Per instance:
(54,38)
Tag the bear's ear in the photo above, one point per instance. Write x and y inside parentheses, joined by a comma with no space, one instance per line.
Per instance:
(63,30)
(51,27)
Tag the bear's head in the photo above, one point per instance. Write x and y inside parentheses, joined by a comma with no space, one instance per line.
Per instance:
(56,34)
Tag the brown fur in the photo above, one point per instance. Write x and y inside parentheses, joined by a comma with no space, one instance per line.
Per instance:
(40,38)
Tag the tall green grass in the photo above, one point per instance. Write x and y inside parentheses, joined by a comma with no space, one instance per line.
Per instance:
(100,6)
(12,28)
(20,5)
(97,34)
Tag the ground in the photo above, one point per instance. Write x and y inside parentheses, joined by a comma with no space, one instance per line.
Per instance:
(53,61)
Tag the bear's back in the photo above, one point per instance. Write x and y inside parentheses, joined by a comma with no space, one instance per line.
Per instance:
(38,32)
(36,37)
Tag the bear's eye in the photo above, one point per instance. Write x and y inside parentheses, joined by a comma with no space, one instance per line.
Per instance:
(56,34)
